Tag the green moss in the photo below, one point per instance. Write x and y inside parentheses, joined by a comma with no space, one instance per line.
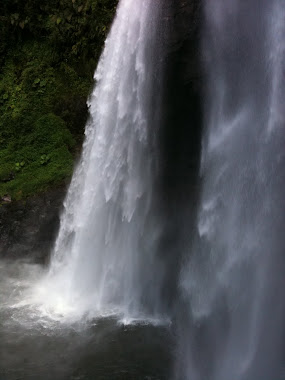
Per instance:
(25,171)
(47,60)
(33,124)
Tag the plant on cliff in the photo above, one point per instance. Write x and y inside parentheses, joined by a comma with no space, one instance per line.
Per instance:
(48,52)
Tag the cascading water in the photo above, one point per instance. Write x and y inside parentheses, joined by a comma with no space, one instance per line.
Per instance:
(104,258)
(233,283)
(112,254)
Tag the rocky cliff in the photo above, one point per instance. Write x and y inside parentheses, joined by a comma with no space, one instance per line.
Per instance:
(28,228)
(181,133)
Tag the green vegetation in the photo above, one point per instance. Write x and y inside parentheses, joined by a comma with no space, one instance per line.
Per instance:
(48,53)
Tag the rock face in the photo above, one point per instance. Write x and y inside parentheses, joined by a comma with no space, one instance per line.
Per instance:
(28,228)
(181,133)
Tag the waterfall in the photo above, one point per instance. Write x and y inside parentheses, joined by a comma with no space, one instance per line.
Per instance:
(233,282)
(104,259)
(115,253)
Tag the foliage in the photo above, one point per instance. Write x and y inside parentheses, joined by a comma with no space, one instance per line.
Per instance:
(36,169)
(48,52)
(75,28)
(19,165)
(45,158)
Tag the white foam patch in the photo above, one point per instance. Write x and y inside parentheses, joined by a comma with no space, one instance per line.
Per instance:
(28,298)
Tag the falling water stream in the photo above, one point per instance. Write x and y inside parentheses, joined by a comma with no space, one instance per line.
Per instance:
(233,282)
(101,311)
(104,259)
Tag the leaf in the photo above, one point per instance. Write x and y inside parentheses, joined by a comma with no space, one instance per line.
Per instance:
(36,81)
(22,24)
(58,20)
(17,166)
(5,96)
(80,8)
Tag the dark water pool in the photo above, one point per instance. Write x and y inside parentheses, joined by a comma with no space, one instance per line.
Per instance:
(47,350)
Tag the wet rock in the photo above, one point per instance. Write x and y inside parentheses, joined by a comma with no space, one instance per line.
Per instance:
(6,198)
(28,228)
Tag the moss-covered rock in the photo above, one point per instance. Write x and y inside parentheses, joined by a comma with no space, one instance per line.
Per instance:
(46,67)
